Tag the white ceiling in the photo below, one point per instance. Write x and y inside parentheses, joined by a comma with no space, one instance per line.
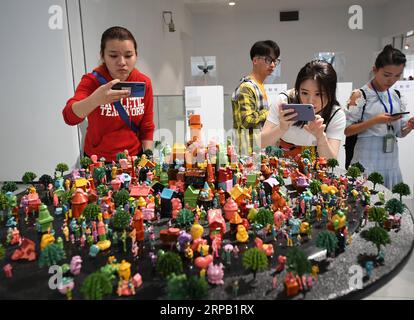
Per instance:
(209,6)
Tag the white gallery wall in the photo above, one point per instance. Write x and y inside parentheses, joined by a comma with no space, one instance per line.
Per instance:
(229,35)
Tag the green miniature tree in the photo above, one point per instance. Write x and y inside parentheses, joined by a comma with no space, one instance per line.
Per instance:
(51,255)
(28,177)
(264,217)
(255,260)
(9,186)
(102,190)
(327,240)
(91,212)
(169,263)
(402,189)
(273,151)
(377,215)
(179,287)
(359,166)
(332,163)
(4,202)
(394,206)
(96,286)
(66,196)
(45,180)
(376,178)
(297,262)
(121,219)
(85,162)
(353,172)
(185,217)
(121,197)
(315,186)
(61,167)
(378,236)
(120,156)
(99,174)
(2,252)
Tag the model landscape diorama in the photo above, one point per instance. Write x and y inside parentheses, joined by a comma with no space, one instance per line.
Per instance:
(178,226)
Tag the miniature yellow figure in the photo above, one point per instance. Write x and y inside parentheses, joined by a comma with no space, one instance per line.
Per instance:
(242,235)
(114,172)
(197,230)
(65,231)
(46,240)
(315,270)
(67,184)
(318,210)
(124,270)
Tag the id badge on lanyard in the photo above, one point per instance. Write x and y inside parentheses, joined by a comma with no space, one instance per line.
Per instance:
(389,141)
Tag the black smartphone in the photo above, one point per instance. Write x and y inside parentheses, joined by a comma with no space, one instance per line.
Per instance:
(400,113)
(306,112)
(137,89)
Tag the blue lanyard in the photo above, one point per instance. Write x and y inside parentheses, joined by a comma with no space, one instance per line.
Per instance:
(382,102)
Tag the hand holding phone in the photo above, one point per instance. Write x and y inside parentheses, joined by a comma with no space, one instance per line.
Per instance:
(136,89)
(306,112)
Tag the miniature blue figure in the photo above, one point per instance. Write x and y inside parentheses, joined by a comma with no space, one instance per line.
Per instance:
(11,222)
(369,268)
(93,250)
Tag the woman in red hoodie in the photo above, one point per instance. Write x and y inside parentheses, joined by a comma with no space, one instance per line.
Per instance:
(107,133)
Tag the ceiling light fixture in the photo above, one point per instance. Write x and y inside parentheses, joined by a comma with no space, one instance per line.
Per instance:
(232,3)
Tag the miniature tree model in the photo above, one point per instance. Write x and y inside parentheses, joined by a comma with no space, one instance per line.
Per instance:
(61,167)
(45,180)
(91,212)
(181,288)
(66,196)
(255,260)
(121,219)
(96,286)
(2,252)
(353,172)
(85,162)
(28,177)
(121,197)
(9,186)
(264,217)
(377,215)
(273,151)
(120,156)
(185,217)
(332,163)
(402,189)
(169,263)
(297,262)
(102,190)
(394,206)
(378,236)
(376,178)
(327,240)
(51,255)
(99,174)
(315,186)
(359,166)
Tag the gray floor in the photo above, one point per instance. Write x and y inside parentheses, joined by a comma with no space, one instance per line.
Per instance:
(401,287)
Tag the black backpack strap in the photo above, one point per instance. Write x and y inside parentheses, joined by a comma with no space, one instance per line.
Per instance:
(398,93)
(365,104)
(287,96)
(329,120)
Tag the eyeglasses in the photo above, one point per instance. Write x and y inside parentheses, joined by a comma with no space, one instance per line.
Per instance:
(268,60)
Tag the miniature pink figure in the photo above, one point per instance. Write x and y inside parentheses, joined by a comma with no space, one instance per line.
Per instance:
(137,280)
(94,232)
(236,251)
(216,245)
(279,218)
(281,263)
(76,265)
(215,273)
(8,270)
(176,207)
(72,238)
(274,281)
(55,200)
(135,249)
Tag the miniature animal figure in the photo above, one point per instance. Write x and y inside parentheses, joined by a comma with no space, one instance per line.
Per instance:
(215,273)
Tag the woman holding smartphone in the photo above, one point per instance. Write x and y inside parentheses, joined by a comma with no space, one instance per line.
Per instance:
(372,114)
(116,120)
(315,85)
